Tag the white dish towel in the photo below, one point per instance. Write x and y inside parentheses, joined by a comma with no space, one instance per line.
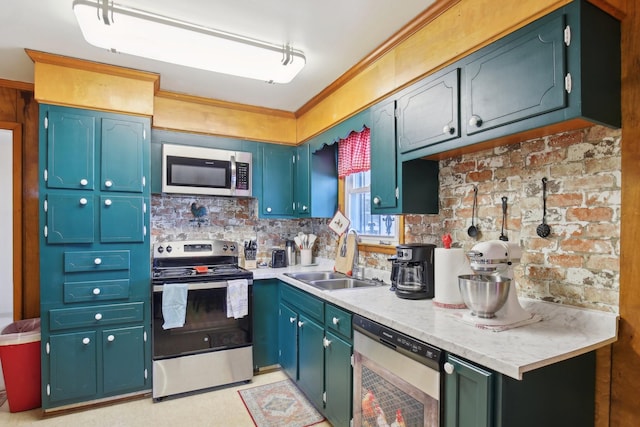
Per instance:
(174,304)
(237,298)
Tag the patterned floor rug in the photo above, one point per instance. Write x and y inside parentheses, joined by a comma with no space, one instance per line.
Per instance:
(279,404)
(3,397)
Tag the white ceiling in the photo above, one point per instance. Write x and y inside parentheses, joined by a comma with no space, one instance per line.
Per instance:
(333,34)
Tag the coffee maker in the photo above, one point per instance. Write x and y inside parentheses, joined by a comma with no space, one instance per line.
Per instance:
(413,268)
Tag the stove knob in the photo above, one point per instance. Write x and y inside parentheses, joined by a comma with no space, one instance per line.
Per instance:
(169,248)
(225,247)
(160,249)
(233,247)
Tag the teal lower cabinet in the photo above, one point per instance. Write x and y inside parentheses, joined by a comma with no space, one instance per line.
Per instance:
(558,395)
(265,323)
(315,351)
(86,365)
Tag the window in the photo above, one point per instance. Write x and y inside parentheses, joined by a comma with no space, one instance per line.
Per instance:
(373,229)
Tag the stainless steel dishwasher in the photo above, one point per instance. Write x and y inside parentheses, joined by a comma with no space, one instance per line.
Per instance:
(396,378)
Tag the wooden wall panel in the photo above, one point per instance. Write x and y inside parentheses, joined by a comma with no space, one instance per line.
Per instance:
(625,410)
(194,114)
(73,82)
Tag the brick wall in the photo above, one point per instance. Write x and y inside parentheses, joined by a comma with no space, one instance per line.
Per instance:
(235,219)
(578,264)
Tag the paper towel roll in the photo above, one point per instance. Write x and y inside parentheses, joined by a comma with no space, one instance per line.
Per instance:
(448,265)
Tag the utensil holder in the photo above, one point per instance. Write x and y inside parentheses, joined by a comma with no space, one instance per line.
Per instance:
(306,256)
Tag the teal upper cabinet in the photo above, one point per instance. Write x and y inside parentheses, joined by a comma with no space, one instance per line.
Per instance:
(278,176)
(302,181)
(517,79)
(429,114)
(122,155)
(71,138)
(398,186)
(384,180)
(559,72)
(323,175)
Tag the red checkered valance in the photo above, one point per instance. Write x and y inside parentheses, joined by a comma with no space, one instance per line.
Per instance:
(354,153)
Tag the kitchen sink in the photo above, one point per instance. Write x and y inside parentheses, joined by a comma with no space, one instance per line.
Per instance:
(331,280)
(316,275)
(346,283)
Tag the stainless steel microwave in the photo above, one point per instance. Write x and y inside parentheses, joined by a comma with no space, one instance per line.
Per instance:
(208,171)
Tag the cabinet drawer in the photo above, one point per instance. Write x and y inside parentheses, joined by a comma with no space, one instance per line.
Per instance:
(67,318)
(338,320)
(96,261)
(99,290)
(303,302)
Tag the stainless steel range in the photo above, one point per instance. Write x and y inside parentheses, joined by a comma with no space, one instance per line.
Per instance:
(199,341)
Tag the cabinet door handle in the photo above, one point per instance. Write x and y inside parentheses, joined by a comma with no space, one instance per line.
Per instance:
(268,209)
(292,319)
(96,291)
(107,202)
(111,338)
(325,342)
(475,121)
(449,368)
(83,182)
(108,183)
(83,201)
(86,341)
(335,320)
(97,261)
(300,323)
(98,316)
(304,208)
(376,200)
(448,130)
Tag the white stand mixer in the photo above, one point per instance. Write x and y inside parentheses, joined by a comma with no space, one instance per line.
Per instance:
(497,257)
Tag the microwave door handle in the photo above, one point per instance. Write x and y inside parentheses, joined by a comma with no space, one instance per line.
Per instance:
(233,174)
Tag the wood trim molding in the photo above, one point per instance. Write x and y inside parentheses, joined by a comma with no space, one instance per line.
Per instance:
(12,84)
(223,104)
(95,67)
(429,14)
(16,129)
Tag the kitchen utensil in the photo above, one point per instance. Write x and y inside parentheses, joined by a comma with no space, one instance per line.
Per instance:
(503,237)
(473,230)
(543,229)
(312,240)
(298,242)
(484,294)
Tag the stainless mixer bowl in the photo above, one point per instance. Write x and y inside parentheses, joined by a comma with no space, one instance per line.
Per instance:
(484,294)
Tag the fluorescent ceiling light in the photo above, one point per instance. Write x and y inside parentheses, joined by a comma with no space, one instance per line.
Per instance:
(122,29)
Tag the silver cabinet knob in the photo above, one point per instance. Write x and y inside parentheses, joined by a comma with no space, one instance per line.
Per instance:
(475,121)
(83,182)
(107,202)
(305,208)
(96,291)
(108,183)
(83,201)
(376,200)
(325,342)
(98,316)
(449,368)
(292,319)
(300,323)
(268,209)
(97,261)
(450,130)
(335,320)
(111,338)
(85,341)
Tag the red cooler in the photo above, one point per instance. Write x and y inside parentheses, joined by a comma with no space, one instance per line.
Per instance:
(20,357)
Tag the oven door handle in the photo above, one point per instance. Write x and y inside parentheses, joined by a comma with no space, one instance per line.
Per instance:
(200,285)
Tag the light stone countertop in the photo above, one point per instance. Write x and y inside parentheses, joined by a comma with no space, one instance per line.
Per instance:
(564,331)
